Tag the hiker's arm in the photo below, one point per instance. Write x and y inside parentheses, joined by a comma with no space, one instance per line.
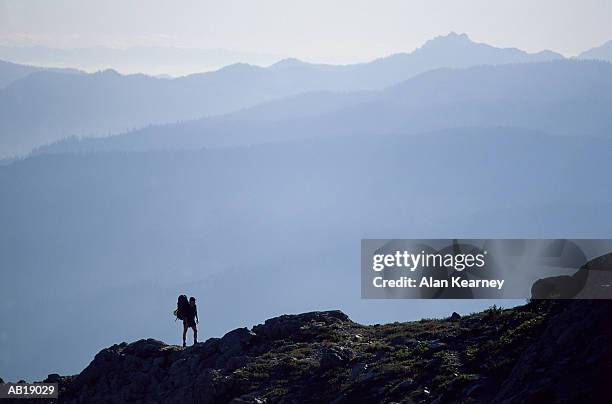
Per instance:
(197,319)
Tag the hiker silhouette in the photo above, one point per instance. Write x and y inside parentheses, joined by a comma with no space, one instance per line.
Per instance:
(187,311)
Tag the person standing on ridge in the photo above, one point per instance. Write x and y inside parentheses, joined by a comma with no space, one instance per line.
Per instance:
(187,311)
(191,320)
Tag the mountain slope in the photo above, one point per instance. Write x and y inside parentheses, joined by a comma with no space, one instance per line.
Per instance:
(324,357)
(603,52)
(45,107)
(563,97)
(10,72)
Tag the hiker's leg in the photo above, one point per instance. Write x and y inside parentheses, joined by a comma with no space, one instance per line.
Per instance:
(184,332)
(195,334)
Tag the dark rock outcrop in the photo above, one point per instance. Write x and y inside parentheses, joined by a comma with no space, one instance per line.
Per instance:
(570,362)
(545,351)
(455,316)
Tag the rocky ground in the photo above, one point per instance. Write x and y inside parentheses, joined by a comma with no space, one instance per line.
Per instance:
(542,352)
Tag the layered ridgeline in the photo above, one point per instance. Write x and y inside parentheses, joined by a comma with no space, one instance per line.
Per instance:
(258,231)
(568,97)
(47,106)
(543,352)
(165,61)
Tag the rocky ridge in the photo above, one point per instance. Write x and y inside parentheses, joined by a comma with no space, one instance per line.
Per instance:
(545,351)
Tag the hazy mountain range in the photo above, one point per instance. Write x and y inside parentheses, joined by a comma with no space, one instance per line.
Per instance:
(256,202)
(47,106)
(151,60)
(563,97)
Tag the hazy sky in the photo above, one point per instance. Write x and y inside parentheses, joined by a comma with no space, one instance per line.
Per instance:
(314,30)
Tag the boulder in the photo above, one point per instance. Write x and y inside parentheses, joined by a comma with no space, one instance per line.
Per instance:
(144,348)
(52,378)
(234,342)
(292,326)
(334,357)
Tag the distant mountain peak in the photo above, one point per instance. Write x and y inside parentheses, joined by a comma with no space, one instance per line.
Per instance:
(454,42)
(287,63)
(451,38)
(237,67)
(454,35)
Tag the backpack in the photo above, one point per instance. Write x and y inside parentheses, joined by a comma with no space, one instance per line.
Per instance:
(182,307)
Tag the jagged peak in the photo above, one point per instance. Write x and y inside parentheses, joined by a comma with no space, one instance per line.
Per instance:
(450,38)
